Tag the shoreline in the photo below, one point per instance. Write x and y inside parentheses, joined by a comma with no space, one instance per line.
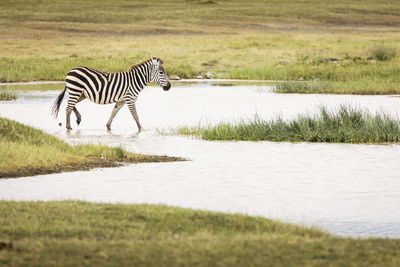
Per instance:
(174,81)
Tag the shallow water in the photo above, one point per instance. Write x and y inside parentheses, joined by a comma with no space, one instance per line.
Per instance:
(349,190)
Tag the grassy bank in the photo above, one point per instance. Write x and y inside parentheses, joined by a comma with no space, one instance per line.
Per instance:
(79,233)
(27,151)
(346,125)
(361,87)
(32,87)
(291,40)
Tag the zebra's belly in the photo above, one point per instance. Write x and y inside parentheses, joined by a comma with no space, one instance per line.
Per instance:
(105,102)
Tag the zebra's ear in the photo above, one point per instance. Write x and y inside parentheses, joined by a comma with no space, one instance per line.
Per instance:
(156,59)
(153,59)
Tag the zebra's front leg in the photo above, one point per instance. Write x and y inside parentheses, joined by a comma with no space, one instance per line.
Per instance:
(132,109)
(116,108)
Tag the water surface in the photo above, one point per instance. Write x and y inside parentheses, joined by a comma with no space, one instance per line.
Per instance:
(348,190)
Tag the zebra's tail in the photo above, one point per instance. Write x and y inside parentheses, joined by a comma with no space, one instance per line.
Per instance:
(57,103)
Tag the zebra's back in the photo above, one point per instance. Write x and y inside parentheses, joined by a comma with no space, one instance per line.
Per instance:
(98,86)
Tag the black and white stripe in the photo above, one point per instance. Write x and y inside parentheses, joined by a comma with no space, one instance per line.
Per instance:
(106,88)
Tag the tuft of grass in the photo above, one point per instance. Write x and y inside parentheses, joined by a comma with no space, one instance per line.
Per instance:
(27,151)
(383,53)
(345,125)
(296,87)
(6,95)
(71,233)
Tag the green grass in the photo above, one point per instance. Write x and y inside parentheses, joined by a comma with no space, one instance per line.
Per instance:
(6,95)
(31,87)
(383,53)
(272,40)
(346,125)
(77,233)
(330,87)
(27,151)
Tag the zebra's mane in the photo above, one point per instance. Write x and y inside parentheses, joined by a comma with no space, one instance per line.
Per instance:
(143,62)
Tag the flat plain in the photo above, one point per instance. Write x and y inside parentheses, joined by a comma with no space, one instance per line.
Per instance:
(353,46)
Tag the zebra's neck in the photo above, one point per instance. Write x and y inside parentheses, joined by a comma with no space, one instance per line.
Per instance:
(140,75)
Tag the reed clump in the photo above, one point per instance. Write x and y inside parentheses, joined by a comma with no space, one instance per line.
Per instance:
(345,125)
(6,95)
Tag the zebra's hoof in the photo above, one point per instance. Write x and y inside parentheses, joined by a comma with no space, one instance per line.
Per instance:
(78,121)
(108,128)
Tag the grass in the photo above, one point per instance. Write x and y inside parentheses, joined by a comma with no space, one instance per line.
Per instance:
(346,125)
(32,87)
(277,40)
(383,53)
(78,233)
(331,87)
(6,95)
(26,151)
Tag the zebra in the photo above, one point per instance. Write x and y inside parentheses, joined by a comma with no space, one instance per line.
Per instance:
(110,87)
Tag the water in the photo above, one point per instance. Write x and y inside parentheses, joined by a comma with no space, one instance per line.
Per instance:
(348,190)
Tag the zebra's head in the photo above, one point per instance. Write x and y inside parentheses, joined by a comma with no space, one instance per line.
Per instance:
(159,75)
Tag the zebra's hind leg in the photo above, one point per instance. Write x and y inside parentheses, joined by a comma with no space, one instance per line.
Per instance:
(68,115)
(75,110)
(114,112)
(132,109)
(73,99)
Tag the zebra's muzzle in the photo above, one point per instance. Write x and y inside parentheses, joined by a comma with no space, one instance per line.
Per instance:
(166,88)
